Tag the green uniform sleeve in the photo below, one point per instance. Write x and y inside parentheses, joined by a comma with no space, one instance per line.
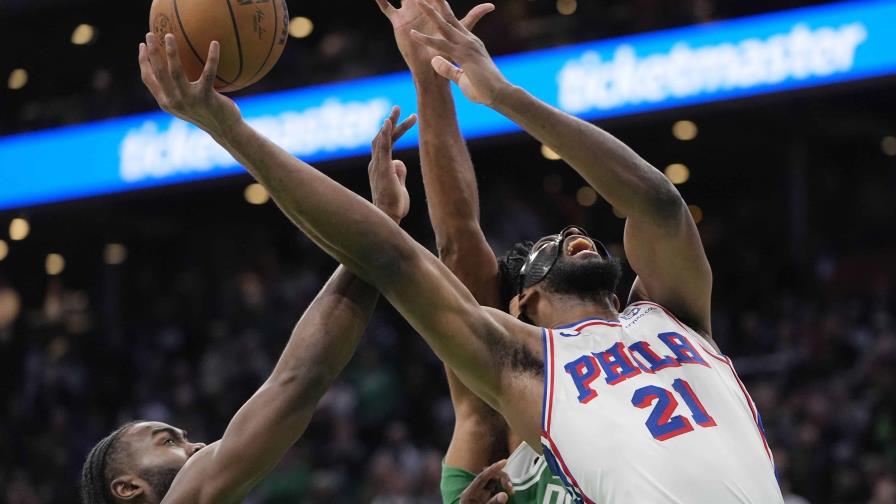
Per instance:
(454,482)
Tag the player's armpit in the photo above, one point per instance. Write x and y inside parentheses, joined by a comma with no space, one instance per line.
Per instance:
(496,356)
(672,267)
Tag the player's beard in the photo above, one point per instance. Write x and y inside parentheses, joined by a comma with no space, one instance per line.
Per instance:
(590,278)
(159,478)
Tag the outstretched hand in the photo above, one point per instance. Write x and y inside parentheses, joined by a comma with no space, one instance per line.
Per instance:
(196,102)
(478,77)
(479,491)
(387,176)
(410,16)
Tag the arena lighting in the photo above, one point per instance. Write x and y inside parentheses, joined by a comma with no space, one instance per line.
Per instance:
(19,228)
(888,146)
(115,254)
(256,194)
(677,173)
(696,213)
(18,78)
(4,250)
(83,34)
(549,153)
(586,196)
(55,264)
(300,27)
(567,7)
(684,130)
(783,51)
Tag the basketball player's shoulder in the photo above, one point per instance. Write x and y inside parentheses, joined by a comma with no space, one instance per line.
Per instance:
(198,481)
(646,314)
(637,312)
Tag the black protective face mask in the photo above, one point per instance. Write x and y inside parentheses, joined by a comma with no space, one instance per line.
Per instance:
(544,256)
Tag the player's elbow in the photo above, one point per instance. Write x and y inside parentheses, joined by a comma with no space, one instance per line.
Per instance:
(666,203)
(449,254)
(456,237)
(387,264)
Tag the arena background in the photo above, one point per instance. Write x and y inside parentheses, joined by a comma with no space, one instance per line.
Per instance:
(173,303)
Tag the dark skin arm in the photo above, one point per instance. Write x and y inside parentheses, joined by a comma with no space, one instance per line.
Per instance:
(320,346)
(479,435)
(473,340)
(274,418)
(661,240)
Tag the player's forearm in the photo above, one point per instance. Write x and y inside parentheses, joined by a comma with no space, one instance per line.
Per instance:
(448,174)
(623,178)
(343,224)
(273,419)
(326,336)
(451,192)
(453,201)
(371,245)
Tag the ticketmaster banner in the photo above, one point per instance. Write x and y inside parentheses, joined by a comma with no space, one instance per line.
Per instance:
(674,68)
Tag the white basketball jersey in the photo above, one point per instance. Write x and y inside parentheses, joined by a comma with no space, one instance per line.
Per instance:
(641,410)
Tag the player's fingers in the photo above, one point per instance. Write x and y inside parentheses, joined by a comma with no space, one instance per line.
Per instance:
(446,69)
(403,128)
(439,44)
(401,171)
(445,28)
(146,74)
(490,472)
(476,14)
(500,498)
(154,49)
(207,80)
(506,483)
(375,143)
(386,7)
(394,114)
(159,64)
(444,9)
(384,142)
(173,60)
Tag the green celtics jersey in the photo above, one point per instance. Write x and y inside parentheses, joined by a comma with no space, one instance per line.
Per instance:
(532,481)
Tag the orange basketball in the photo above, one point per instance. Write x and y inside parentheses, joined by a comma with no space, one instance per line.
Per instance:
(252,34)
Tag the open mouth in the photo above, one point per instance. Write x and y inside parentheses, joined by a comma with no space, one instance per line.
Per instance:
(579,245)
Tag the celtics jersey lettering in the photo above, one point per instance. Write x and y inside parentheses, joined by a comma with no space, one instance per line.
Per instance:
(533,482)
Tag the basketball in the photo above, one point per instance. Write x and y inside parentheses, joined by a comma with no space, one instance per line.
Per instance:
(252,34)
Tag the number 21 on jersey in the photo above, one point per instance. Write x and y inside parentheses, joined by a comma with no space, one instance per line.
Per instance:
(661,424)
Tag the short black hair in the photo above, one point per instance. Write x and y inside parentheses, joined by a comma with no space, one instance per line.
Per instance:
(96,475)
(509,266)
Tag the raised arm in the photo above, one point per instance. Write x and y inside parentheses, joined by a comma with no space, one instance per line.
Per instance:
(448,175)
(274,418)
(320,346)
(661,239)
(472,340)
(479,435)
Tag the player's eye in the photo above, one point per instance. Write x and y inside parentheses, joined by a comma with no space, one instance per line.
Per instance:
(169,442)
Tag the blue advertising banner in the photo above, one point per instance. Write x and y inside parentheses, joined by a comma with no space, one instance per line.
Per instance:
(647,72)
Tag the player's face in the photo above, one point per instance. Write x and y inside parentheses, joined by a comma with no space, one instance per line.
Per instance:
(159,451)
(576,265)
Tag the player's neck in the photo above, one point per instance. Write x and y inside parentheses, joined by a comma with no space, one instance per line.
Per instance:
(565,310)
